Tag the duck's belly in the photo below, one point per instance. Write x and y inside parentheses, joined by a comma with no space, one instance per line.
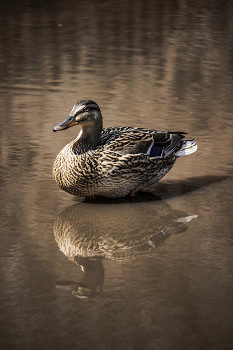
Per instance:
(78,183)
(121,186)
(84,177)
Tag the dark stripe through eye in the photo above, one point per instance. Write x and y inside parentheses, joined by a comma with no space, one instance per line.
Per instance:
(85,109)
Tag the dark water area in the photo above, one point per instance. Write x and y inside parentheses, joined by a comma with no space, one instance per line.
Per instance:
(150,272)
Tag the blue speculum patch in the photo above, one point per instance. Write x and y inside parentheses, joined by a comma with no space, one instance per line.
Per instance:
(155,151)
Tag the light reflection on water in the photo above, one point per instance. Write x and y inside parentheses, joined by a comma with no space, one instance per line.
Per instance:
(157,64)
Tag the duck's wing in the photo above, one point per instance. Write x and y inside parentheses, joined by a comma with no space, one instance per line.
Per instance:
(126,140)
(129,142)
(110,134)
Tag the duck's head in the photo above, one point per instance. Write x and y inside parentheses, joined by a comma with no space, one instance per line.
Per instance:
(85,113)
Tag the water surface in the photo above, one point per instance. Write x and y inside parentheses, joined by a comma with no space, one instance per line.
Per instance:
(154,272)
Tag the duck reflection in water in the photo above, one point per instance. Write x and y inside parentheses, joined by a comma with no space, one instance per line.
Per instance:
(120,230)
(91,281)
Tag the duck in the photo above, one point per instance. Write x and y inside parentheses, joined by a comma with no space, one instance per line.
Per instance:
(116,161)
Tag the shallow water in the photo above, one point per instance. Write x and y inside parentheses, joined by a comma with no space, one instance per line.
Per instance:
(153,272)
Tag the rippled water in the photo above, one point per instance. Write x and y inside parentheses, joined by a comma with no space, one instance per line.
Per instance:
(154,272)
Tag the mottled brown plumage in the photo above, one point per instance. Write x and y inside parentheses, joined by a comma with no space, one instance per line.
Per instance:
(112,162)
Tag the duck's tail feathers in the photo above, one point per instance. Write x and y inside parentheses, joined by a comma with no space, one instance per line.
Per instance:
(175,144)
(188,147)
(164,144)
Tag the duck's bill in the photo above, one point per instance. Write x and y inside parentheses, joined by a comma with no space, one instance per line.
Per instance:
(70,121)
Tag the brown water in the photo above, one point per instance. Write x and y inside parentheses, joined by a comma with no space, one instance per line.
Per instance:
(155,272)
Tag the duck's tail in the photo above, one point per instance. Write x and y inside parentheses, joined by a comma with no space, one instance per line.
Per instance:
(188,147)
(167,143)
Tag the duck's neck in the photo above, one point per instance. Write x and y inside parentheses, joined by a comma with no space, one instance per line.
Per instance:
(87,139)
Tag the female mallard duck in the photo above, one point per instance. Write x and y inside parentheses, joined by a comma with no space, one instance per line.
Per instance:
(117,161)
